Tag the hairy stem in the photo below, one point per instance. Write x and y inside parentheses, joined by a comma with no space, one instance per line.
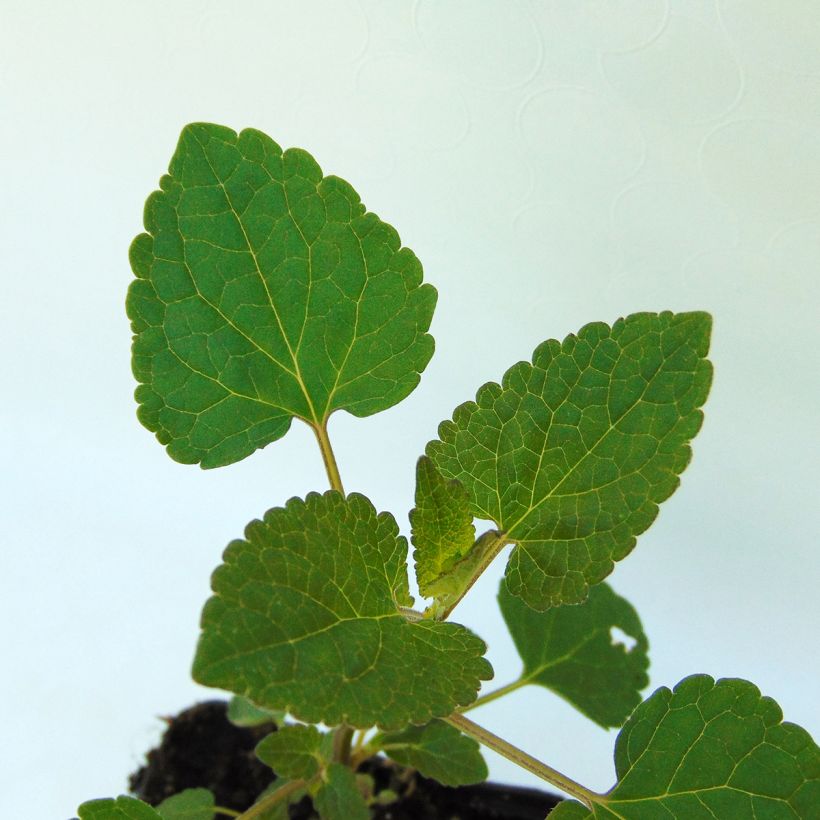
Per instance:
(260,809)
(491,550)
(528,762)
(495,694)
(328,458)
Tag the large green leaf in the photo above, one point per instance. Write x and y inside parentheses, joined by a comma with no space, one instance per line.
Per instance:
(571,455)
(437,750)
(573,651)
(266,291)
(709,750)
(191,804)
(121,808)
(339,798)
(305,618)
(296,752)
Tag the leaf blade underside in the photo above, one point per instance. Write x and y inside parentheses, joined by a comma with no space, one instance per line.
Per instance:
(265,291)
(572,454)
(305,619)
(709,749)
(570,650)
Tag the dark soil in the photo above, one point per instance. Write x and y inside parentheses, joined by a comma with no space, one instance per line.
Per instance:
(201,748)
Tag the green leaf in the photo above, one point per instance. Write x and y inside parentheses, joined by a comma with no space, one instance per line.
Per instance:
(266,291)
(442,527)
(241,712)
(295,752)
(571,455)
(710,750)
(437,750)
(121,808)
(339,798)
(280,810)
(191,804)
(572,651)
(305,619)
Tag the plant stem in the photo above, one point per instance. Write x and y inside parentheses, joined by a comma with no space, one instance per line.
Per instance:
(259,809)
(329,459)
(495,694)
(342,739)
(490,552)
(226,812)
(528,762)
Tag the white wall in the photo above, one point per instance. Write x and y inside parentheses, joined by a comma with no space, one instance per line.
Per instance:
(551,163)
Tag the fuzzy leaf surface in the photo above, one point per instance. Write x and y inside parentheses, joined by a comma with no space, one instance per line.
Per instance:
(339,798)
(120,808)
(709,750)
(442,527)
(265,290)
(573,452)
(191,804)
(437,750)
(305,619)
(295,752)
(571,650)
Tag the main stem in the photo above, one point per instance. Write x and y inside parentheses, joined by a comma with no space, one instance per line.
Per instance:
(521,758)
(343,735)
(260,809)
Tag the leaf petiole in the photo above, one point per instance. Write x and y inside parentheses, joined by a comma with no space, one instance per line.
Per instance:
(526,761)
(258,810)
(328,457)
(495,694)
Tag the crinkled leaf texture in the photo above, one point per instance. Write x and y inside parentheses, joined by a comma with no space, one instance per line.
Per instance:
(191,804)
(573,651)
(709,751)
(120,808)
(266,291)
(572,453)
(296,752)
(339,798)
(437,750)
(305,619)
(442,527)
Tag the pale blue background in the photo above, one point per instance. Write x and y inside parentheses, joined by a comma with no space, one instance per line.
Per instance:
(551,163)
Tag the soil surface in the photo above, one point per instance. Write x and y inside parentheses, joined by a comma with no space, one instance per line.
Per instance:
(202,748)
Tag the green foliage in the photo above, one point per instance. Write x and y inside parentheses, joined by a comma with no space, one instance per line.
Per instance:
(442,528)
(571,455)
(437,750)
(266,291)
(120,808)
(570,650)
(241,712)
(296,752)
(705,750)
(305,619)
(339,798)
(191,804)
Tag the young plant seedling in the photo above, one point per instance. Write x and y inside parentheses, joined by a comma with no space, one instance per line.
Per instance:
(265,292)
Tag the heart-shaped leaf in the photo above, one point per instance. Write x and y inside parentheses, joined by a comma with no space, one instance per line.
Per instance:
(265,291)
(305,618)
(572,651)
(571,454)
(709,750)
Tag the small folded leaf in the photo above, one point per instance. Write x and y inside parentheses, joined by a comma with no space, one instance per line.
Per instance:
(572,454)
(266,291)
(339,798)
(709,750)
(571,650)
(442,527)
(437,750)
(241,712)
(191,804)
(296,752)
(121,808)
(305,619)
